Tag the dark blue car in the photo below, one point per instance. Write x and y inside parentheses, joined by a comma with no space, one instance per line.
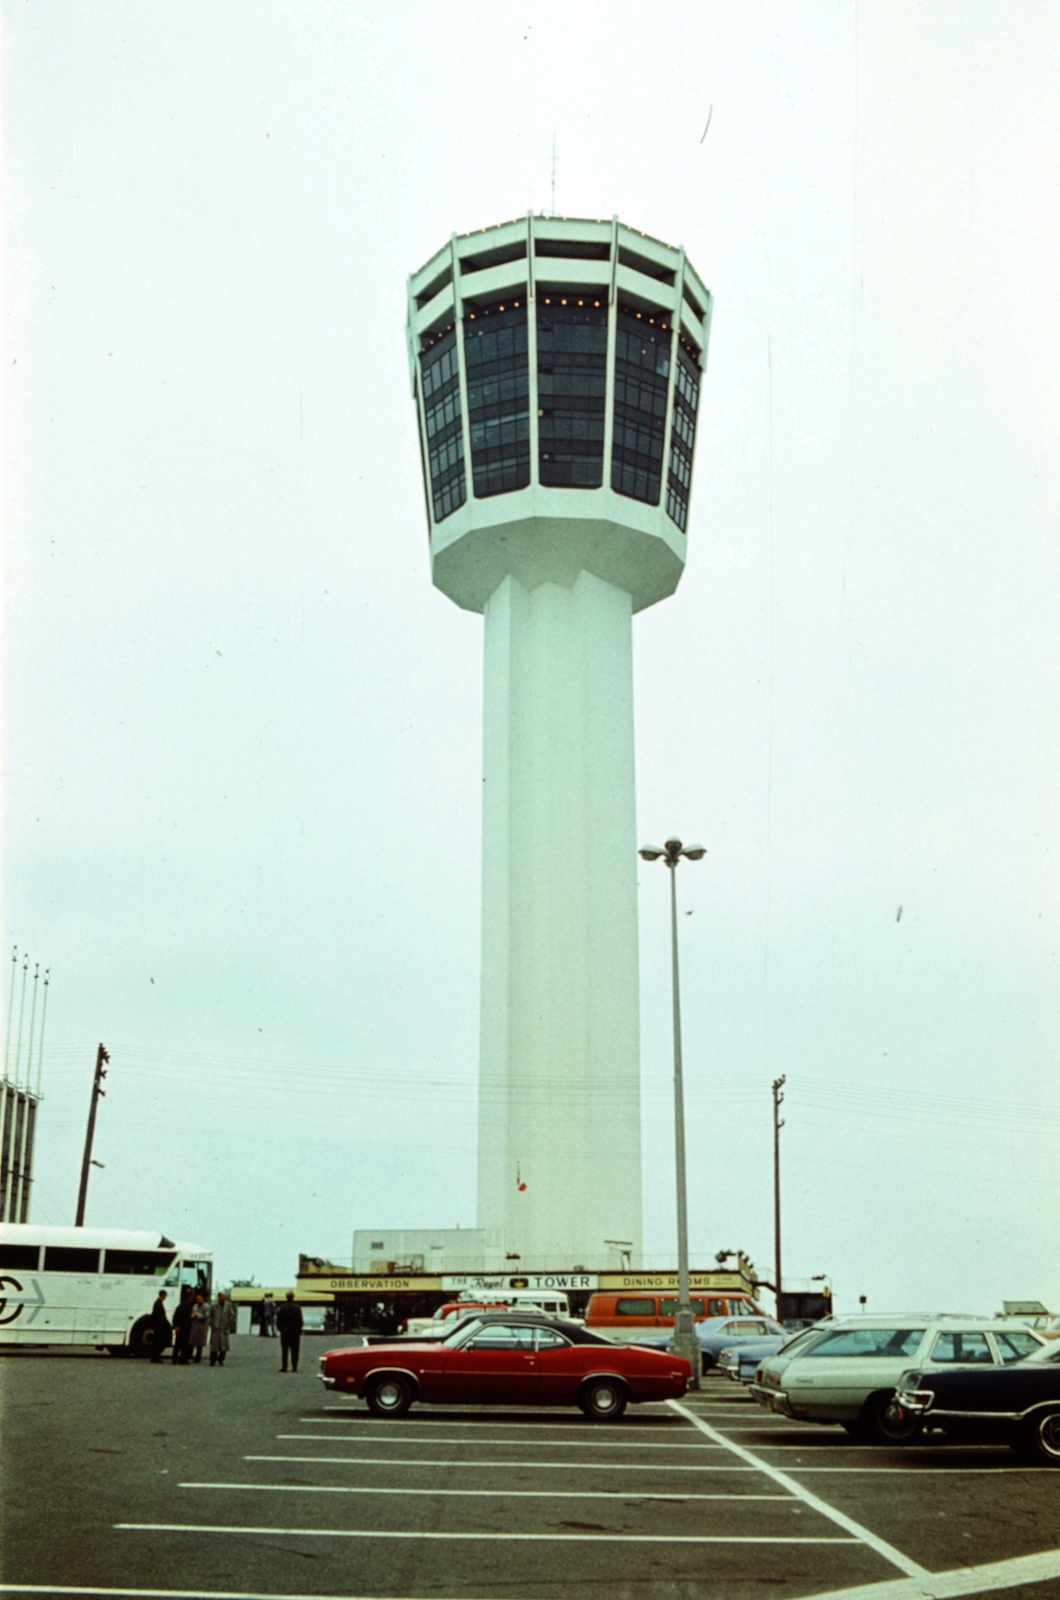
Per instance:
(1017,1404)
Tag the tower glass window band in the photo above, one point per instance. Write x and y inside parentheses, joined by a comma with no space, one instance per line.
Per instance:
(498,396)
(682,435)
(440,376)
(571,389)
(642,378)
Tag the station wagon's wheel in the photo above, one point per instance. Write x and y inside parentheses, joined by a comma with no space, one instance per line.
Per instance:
(389,1395)
(1044,1438)
(878,1425)
(603,1399)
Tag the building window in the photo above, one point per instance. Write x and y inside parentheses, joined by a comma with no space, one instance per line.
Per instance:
(642,378)
(571,390)
(498,397)
(440,376)
(682,436)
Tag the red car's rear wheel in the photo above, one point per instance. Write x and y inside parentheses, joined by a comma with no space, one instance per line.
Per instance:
(603,1399)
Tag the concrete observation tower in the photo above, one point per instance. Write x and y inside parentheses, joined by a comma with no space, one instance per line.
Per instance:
(556,366)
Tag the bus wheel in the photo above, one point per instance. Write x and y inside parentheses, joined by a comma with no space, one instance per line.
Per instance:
(142,1338)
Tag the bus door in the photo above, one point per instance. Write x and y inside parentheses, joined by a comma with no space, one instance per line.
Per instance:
(197,1276)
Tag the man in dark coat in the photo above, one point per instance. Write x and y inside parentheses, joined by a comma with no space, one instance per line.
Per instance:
(181,1329)
(161,1333)
(289,1322)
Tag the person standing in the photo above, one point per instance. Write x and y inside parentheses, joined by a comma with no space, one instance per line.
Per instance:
(181,1329)
(289,1322)
(220,1328)
(268,1316)
(161,1333)
(199,1329)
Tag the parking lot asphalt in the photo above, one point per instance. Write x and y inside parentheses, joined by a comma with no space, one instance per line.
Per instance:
(120,1477)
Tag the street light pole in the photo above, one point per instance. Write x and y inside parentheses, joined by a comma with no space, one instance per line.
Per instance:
(684,1341)
(778,1123)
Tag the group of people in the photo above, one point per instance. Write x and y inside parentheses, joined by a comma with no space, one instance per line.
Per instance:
(197,1321)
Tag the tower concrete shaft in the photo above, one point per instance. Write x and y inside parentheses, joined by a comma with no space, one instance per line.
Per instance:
(556,366)
(559,1092)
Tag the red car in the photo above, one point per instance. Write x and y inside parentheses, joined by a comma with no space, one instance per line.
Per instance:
(508,1360)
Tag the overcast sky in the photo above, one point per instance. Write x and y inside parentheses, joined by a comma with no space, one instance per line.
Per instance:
(243,731)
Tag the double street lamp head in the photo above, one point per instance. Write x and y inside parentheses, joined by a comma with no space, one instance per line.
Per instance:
(671,852)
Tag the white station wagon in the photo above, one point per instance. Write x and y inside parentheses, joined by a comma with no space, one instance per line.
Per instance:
(846,1370)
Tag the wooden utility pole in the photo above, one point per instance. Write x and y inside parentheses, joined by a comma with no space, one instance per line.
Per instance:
(778,1123)
(97,1090)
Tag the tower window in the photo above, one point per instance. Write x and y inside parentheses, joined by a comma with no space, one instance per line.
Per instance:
(682,436)
(498,397)
(440,376)
(642,379)
(571,390)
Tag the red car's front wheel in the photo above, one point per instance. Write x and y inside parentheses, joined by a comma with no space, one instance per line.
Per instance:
(389,1395)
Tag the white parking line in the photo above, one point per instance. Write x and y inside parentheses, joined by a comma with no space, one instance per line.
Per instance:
(923,1470)
(169,1594)
(535,1538)
(494,1466)
(991,1577)
(365,1416)
(502,1444)
(676,1498)
(610,1466)
(912,1568)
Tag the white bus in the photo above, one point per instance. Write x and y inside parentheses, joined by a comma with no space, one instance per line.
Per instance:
(91,1285)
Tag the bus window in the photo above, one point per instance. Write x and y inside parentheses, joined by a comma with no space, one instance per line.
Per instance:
(70,1258)
(138,1263)
(19,1257)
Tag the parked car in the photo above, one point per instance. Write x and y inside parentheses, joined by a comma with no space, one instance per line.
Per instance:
(436,1332)
(508,1360)
(740,1362)
(1016,1404)
(446,1318)
(718,1333)
(553,1302)
(847,1370)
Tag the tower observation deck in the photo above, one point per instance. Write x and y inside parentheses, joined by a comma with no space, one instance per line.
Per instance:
(556,366)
